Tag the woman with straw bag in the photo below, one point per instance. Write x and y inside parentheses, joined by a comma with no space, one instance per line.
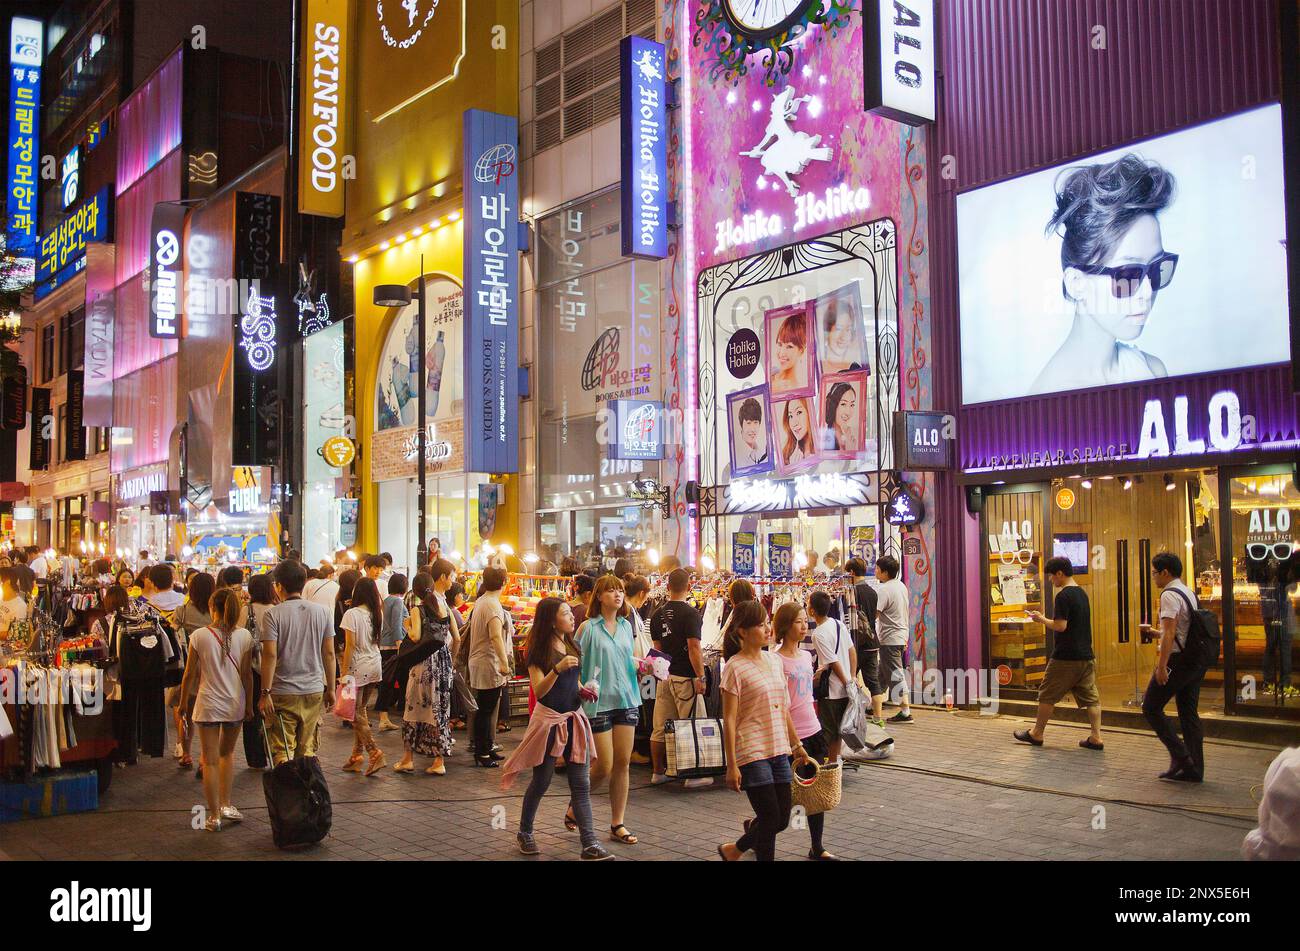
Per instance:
(823,793)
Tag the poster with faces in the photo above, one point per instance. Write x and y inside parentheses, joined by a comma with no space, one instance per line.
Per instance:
(842,417)
(794,432)
(747,414)
(841,331)
(791,348)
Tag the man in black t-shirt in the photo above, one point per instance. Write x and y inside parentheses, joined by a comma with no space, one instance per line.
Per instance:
(675,630)
(1072,667)
(864,627)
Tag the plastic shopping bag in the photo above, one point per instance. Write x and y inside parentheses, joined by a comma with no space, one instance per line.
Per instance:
(345,700)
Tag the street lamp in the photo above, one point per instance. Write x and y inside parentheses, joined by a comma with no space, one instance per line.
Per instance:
(399,295)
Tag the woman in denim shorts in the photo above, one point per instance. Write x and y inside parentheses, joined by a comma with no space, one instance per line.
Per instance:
(607,644)
(762,743)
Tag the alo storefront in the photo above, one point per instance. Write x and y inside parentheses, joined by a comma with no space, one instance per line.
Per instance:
(795,195)
(1129,393)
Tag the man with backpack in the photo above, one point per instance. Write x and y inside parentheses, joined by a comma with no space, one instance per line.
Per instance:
(865,640)
(837,668)
(1188,646)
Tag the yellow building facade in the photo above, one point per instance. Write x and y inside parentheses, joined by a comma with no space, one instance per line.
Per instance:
(416,74)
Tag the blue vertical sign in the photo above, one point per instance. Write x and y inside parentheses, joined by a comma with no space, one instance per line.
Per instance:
(491,219)
(645,148)
(26,47)
(780,554)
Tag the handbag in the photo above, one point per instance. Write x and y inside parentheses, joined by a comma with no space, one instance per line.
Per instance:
(463,693)
(345,699)
(695,748)
(822,679)
(819,792)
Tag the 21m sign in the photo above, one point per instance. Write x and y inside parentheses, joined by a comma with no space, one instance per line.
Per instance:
(898,53)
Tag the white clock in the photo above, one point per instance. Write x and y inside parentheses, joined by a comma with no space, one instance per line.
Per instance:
(765,16)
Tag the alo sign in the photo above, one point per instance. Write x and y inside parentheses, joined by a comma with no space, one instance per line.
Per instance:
(898,49)
(165,275)
(645,148)
(324,94)
(1225,428)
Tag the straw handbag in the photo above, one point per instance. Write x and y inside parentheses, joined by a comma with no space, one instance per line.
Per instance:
(819,792)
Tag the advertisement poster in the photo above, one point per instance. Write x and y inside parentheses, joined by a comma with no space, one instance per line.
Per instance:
(750,447)
(743,552)
(398,388)
(349,513)
(1011,582)
(780,554)
(841,421)
(1128,266)
(862,543)
(489,502)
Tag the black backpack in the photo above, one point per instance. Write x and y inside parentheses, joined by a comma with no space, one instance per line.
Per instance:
(1202,625)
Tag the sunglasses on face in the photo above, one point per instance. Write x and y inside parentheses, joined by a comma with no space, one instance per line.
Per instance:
(1126,279)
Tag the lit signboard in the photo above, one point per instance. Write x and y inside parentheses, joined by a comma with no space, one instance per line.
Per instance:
(62,252)
(645,148)
(324,94)
(165,299)
(491,338)
(636,429)
(26,46)
(898,48)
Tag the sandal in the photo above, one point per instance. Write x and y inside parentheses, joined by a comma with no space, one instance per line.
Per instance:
(626,837)
(438,769)
(404,768)
(185,762)
(377,762)
(1088,744)
(1024,736)
(353,765)
(570,823)
(503,727)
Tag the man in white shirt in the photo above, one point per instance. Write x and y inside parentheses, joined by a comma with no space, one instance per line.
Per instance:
(374,568)
(322,589)
(13,606)
(1181,664)
(40,567)
(892,627)
(833,643)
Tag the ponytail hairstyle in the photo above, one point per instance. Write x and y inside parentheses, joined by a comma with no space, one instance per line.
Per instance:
(224,608)
(748,614)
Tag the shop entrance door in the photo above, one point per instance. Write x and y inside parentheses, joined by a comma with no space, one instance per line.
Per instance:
(1117,525)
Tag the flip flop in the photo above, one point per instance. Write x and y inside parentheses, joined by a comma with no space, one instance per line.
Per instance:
(1024,737)
(1087,744)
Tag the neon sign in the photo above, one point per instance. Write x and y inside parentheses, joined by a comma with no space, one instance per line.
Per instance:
(1223,427)
(645,149)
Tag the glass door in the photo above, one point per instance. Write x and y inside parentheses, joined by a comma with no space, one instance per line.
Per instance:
(1265,566)
(1013,530)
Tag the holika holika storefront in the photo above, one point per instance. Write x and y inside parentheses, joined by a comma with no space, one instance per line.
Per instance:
(795,195)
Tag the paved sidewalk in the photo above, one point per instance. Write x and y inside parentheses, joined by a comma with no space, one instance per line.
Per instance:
(958,787)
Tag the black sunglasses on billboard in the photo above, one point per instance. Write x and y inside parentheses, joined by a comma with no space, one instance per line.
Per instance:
(1125,279)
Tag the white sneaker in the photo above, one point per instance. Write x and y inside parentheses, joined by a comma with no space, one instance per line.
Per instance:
(658,779)
(231,814)
(700,783)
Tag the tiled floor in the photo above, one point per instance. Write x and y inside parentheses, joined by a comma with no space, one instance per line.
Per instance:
(956,787)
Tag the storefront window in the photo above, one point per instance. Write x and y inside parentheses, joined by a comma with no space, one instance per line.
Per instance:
(599,342)
(324,416)
(1265,570)
(1109,527)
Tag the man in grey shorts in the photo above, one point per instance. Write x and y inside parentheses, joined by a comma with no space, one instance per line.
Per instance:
(892,627)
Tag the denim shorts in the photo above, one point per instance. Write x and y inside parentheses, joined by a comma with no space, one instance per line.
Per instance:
(766,772)
(607,720)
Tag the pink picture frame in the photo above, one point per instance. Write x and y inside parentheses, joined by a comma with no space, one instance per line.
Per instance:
(790,348)
(842,415)
(795,452)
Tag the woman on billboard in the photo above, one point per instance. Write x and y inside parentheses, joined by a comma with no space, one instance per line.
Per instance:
(1114,263)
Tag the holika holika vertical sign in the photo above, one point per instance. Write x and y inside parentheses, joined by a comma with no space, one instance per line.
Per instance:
(644,91)
(255,413)
(491,337)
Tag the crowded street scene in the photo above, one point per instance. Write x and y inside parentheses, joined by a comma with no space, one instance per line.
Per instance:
(629,431)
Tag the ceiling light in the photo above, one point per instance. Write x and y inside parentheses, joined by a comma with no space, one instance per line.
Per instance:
(1127,483)
(1086,483)
(1169,483)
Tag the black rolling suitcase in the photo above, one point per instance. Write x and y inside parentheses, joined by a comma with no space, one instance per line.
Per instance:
(297,800)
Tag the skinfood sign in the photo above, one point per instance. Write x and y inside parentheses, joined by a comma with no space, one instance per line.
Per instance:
(325,93)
